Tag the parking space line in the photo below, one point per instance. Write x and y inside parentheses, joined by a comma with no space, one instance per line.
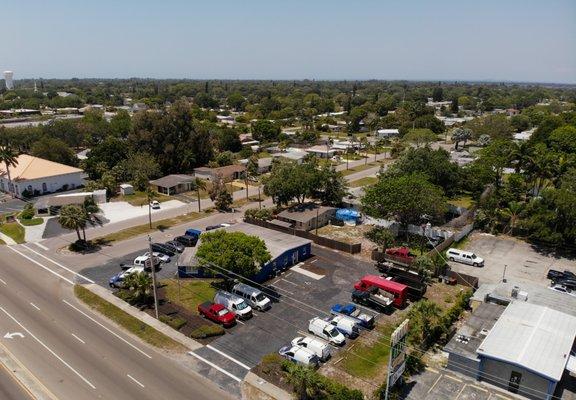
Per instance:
(240,322)
(215,366)
(228,357)
(479,388)
(35,306)
(4,282)
(41,246)
(134,380)
(288,274)
(77,338)
(287,281)
(432,387)
(460,392)
(453,378)
(280,288)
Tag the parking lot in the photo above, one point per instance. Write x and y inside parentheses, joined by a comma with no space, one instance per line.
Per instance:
(522,262)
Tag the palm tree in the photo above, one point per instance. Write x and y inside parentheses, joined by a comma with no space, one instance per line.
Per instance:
(305,381)
(73,217)
(511,213)
(10,159)
(139,284)
(91,211)
(364,144)
(424,318)
(150,196)
(199,184)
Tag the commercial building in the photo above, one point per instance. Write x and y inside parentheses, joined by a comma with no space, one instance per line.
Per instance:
(307,216)
(387,133)
(173,184)
(34,176)
(286,251)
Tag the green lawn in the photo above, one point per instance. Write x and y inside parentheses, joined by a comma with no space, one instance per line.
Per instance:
(192,292)
(369,180)
(31,222)
(14,230)
(360,168)
(140,198)
(134,325)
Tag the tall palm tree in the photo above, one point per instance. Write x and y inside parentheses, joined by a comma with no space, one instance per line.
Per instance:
(139,284)
(424,317)
(150,196)
(10,159)
(511,213)
(304,380)
(199,184)
(73,217)
(91,211)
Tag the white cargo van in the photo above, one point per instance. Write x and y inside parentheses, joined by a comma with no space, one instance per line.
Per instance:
(326,331)
(253,296)
(346,325)
(233,303)
(464,257)
(318,347)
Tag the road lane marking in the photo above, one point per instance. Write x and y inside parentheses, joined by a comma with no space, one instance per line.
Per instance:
(60,265)
(453,378)
(77,338)
(49,349)
(41,246)
(215,366)
(102,326)
(4,282)
(35,306)
(129,376)
(228,357)
(41,265)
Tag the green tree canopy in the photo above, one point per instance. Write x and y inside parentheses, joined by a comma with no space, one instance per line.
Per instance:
(265,131)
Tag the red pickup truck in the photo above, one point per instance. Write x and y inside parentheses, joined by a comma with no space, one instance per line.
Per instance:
(399,255)
(217,313)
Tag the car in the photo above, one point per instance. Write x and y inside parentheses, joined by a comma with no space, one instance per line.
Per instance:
(364,320)
(177,245)
(233,303)
(144,261)
(170,247)
(345,325)
(563,289)
(217,313)
(316,346)
(555,275)
(212,227)
(299,355)
(569,283)
(117,281)
(187,240)
(464,257)
(162,248)
(161,256)
(325,330)
(155,205)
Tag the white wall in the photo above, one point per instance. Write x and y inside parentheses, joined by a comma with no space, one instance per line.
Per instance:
(53,183)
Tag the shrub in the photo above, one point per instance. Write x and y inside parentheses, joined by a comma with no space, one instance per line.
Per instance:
(174,322)
(28,212)
(264,214)
(78,245)
(206,331)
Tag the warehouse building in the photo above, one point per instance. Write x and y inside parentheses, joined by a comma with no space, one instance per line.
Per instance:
(286,251)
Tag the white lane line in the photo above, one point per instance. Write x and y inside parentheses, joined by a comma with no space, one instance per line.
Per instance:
(288,274)
(287,281)
(41,246)
(49,349)
(77,338)
(4,282)
(110,331)
(60,265)
(228,357)
(215,366)
(138,383)
(41,265)
(282,289)
(240,322)
(35,306)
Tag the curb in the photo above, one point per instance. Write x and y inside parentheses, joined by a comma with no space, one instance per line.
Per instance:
(268,389)
(190,343)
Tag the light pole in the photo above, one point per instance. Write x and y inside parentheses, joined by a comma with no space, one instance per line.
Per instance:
(504,273)
(153,268)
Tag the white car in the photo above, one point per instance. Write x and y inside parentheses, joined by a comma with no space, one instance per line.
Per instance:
(316,346)
(299,355)
(325,330)
(563,289)
(464,257)
(155,204)
(161,256)
(117,281)
(144,261)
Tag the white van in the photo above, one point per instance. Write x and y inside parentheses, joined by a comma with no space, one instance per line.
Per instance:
(233,303)
(318,347)
(464,257)
(253,296)
(345,325)
(326,331)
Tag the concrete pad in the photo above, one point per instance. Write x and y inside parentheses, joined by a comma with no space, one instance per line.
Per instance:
(117,211)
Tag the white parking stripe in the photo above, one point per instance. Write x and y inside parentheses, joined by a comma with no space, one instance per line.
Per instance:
(228,357)
(215,366)
(102,326)
(41,265)
(60,265)
(3,282)
(35,306)
(49,349)
(77,338)
(129,376)
(287,281)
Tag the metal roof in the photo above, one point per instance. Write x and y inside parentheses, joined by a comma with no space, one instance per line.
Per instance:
(534,337)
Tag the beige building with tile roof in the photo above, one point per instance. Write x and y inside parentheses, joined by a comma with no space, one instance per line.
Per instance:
(38,176)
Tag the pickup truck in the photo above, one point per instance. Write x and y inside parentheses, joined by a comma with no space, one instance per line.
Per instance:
(350,310)
(399,255)
(373,298)
(217,313)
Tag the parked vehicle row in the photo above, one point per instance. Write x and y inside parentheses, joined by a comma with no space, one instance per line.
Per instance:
(562,281)
(306,350)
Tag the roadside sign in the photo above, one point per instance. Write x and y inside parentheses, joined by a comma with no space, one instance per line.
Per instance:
(397,362)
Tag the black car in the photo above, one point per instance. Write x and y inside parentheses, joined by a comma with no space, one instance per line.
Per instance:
(178,246)
(212,227)
(555,275)
(570,283)
(187,240)
(162,248)
(172,248)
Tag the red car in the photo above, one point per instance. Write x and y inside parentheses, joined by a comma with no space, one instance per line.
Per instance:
(217,313)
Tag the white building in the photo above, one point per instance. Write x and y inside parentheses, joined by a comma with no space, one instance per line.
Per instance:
(387,133)
(37,176)
(9,79)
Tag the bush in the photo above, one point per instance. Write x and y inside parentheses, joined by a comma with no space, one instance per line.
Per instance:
(174,322)
(264,214)
(206,331)
(28,212)
(78,245)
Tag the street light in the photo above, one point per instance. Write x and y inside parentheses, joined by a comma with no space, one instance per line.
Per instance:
(153,268)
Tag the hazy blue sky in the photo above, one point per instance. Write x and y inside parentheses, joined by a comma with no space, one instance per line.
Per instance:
(520,40)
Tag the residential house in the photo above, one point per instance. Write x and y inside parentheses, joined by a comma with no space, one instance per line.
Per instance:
(173,184)
(307,216)
(321,151)
(227,173)
(387,133)
(264,164)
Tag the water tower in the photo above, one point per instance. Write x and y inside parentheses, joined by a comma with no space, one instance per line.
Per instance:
(8,78)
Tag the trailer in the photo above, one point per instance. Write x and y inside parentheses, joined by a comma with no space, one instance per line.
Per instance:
(373,298)
(416,285)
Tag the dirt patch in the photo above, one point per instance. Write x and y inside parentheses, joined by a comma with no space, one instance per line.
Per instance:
(313,268)
(444,295)
(352,235)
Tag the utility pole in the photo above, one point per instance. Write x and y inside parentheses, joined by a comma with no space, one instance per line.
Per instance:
(504,273)
(317,212)
(153,268)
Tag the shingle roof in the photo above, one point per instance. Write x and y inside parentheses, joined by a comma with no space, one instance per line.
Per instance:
(30,168)
(535,337)
(224,171)
(169,181)
(305,213)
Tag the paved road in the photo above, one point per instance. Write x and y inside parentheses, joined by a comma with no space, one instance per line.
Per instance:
(75,353)
(10,389)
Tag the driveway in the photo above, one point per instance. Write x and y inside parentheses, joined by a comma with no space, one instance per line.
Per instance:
(522,262)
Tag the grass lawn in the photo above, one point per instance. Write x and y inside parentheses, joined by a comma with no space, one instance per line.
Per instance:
(462,201)
(32,221)
(134,325)
(360,168)
(192,292)
(14,230)
(142,229)
(140,198)
(369,180)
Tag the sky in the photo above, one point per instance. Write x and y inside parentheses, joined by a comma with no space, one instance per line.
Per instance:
(495,40)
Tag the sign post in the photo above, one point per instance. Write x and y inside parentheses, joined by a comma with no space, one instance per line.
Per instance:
(397,361)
